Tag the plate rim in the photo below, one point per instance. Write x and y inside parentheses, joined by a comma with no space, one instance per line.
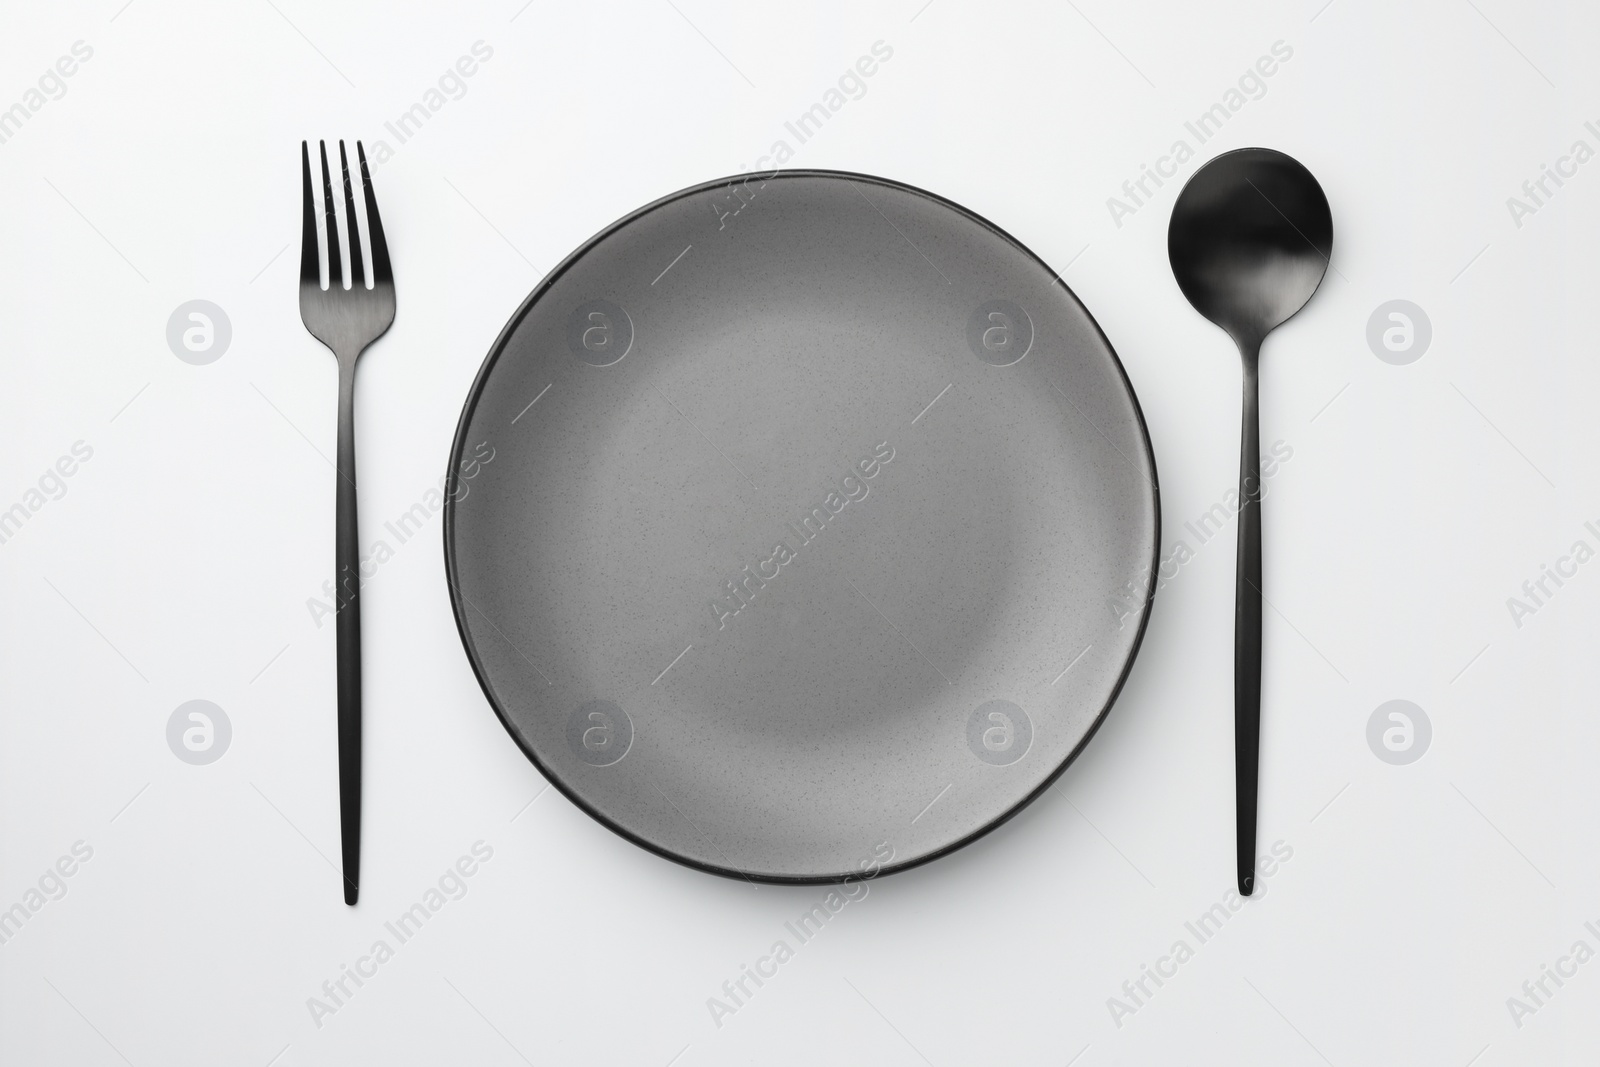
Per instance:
(452,578)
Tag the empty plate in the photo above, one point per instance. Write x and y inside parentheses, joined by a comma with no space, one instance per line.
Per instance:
(809,528)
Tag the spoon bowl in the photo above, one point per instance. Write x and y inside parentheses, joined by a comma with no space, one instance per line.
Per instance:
(1249,242)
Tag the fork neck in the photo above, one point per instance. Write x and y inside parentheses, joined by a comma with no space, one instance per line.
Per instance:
(347,421)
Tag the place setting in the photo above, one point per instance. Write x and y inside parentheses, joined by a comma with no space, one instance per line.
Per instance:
(793,561)
(690,535)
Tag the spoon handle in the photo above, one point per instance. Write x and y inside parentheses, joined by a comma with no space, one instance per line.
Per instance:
(1247,625)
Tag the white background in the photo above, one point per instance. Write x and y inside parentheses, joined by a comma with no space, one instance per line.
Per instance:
(179,562)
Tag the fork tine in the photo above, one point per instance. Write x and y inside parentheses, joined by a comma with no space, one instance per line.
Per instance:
(309,270)
(357,268)
(381,274)
(335,274)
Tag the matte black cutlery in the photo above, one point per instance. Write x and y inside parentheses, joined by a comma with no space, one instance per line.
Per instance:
(347,320)
(1249,242)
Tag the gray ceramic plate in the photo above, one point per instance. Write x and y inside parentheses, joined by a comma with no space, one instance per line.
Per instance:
(801,529)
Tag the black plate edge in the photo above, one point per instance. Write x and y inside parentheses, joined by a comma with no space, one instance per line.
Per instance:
(458,447)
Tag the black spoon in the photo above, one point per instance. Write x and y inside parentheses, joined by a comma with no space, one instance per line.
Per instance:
(1249,242)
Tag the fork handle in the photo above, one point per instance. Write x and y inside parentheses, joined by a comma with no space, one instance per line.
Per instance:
(347,557)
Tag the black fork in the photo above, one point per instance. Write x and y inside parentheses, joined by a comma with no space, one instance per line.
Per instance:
(347,321)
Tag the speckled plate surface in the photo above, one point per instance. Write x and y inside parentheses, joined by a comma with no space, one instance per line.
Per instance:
(808,526)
